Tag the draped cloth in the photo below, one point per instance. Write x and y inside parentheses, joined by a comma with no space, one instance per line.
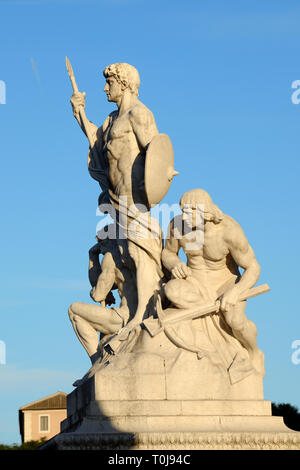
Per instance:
(142,230)
(209,335)
(98,166)
(138,227)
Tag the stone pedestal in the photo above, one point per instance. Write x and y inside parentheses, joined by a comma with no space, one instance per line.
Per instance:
(116,408)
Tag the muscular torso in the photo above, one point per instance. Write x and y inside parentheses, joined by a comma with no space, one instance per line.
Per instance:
(122,148)
(125,153)
(209,253)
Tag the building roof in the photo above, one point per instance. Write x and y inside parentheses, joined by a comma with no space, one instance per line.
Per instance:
(56,401)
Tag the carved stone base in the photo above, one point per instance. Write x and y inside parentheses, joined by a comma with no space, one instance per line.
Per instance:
(176,441)
(154,401)
(172,424)
(165,424)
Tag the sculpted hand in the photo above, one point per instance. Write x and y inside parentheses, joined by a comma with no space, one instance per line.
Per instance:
(229,299)
(77,101)
(181,271)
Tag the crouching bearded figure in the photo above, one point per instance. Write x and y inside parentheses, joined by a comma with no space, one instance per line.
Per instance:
(215,246)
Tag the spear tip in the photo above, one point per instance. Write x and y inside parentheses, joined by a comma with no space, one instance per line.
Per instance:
(69,67)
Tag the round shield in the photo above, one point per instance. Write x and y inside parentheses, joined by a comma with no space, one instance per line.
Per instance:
(159,168)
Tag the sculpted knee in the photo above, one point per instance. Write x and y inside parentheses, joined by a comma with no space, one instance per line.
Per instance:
(236,321)
(235,317)
(180,293)
(72,310)
(171,291)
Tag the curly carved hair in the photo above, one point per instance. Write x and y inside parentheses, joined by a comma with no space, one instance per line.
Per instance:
(125,74)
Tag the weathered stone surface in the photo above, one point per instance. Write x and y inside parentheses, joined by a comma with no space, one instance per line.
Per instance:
(178,365)
(177,440)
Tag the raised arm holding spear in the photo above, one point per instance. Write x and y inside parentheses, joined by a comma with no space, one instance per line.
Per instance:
(97,164)
(78,103)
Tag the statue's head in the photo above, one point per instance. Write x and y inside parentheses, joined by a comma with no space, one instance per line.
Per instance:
(121,77)
(198,201)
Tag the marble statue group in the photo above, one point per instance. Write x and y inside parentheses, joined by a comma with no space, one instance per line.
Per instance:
(174,358)
(167,307)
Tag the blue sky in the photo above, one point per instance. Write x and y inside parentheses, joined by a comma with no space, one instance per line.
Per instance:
(217,76)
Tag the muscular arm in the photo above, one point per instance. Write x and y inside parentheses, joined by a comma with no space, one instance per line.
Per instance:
(106,279)
(78,105)
(170,258)
(243,255)
(170,252)
(92,128)
(94,264)
(143,125)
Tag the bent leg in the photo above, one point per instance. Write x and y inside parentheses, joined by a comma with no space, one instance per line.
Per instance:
(87,320)
(245,331)
(182,293)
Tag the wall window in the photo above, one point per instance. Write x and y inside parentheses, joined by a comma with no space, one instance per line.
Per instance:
(44,423)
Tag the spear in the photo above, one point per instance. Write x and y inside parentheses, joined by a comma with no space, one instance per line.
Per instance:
(83,117)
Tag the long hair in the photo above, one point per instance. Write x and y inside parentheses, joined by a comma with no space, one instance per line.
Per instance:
(200,197)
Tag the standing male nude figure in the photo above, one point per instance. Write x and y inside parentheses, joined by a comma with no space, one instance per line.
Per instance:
(119,151)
